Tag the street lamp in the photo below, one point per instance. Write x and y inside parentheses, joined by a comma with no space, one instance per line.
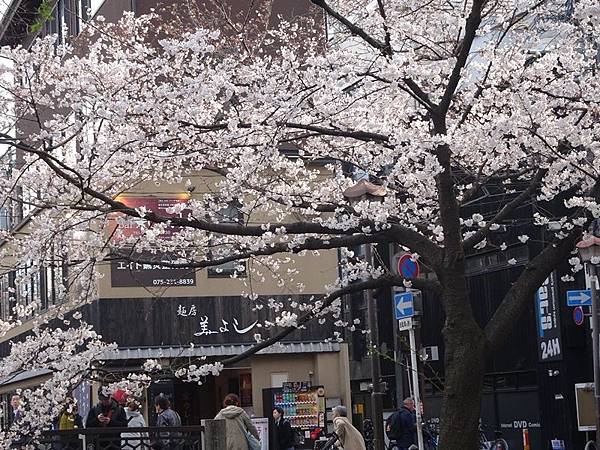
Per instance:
(365,190)
(589,251)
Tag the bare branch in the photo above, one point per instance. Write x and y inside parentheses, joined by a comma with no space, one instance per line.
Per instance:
(506,210)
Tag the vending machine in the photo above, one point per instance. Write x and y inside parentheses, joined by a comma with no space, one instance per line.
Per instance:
(303,405)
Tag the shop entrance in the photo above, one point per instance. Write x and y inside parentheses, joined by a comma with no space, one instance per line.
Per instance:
(195,402)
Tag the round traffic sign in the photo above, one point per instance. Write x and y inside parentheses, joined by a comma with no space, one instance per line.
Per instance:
(407,267)
(578,315)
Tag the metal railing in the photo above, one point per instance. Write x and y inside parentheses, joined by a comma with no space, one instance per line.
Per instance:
(168,438)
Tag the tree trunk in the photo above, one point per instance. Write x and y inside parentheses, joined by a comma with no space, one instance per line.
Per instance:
(464,361)
(461,405)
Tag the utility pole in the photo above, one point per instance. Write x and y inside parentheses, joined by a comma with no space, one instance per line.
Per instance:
(376,394)
(595,344)
(589,252)
(366,191)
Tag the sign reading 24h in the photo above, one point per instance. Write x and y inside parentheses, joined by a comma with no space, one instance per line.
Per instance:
(548,321)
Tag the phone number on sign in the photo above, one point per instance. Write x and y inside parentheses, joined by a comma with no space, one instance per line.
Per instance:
(174,282)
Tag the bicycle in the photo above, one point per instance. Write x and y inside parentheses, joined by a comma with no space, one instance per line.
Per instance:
(431,434)
(499,443)
(590,445)
(430,437)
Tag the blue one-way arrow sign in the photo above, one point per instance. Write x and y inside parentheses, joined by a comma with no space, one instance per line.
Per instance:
(404,305)
(579,298)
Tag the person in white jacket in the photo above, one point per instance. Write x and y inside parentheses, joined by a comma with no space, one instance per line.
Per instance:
(135,419)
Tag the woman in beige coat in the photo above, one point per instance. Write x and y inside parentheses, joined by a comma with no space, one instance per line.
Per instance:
(236,419)
(349,438)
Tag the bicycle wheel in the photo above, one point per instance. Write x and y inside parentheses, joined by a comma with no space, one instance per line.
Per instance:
(483,443)
(591,445)
(500,444)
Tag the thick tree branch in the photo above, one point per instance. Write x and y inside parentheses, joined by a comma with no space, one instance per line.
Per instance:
(397,233)
(532,277)
(353,134)
(523,290)
(386,30)
(381,282)
(354,29)
(471,27)
(309,244)
(359,135)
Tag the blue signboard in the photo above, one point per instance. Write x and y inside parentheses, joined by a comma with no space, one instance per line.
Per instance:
(404,306)
(579,298)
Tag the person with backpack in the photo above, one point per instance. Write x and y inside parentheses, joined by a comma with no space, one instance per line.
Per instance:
(166,417)
(401,427)
(284,434)
(348,437)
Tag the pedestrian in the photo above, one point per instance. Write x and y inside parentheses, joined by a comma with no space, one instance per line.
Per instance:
(121,397)
(238,424)
(135,419)
(284,435)
(69,418)
(15,419)
(349,438)
(401,427)
(107,414)
(166,417)
(15,410)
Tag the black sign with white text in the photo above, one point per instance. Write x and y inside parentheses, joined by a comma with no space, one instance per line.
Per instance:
(548,321)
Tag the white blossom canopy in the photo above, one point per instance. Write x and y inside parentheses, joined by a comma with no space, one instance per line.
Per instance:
(432,100)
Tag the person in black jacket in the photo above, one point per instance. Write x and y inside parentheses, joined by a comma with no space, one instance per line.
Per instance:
(107,413)
(284,435)
(15,414)
(402,427)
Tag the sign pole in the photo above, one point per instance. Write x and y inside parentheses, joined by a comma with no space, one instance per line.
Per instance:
(596,356)
(416,394)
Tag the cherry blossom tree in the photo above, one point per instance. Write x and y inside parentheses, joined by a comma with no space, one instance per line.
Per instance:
(436,101)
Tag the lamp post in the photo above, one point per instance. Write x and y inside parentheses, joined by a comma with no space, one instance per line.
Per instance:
(365,190)
(589,251)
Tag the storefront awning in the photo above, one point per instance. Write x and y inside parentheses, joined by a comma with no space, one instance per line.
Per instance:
(219,350)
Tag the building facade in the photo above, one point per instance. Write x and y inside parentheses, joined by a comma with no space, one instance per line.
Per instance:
(179,316)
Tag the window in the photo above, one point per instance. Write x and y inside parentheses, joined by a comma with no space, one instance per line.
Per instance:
(5,294)
(32,288)
(4,219)
(53,285)
(27,287)
(231,214)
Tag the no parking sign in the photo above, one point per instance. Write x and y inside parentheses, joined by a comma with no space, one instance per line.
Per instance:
(408,267)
